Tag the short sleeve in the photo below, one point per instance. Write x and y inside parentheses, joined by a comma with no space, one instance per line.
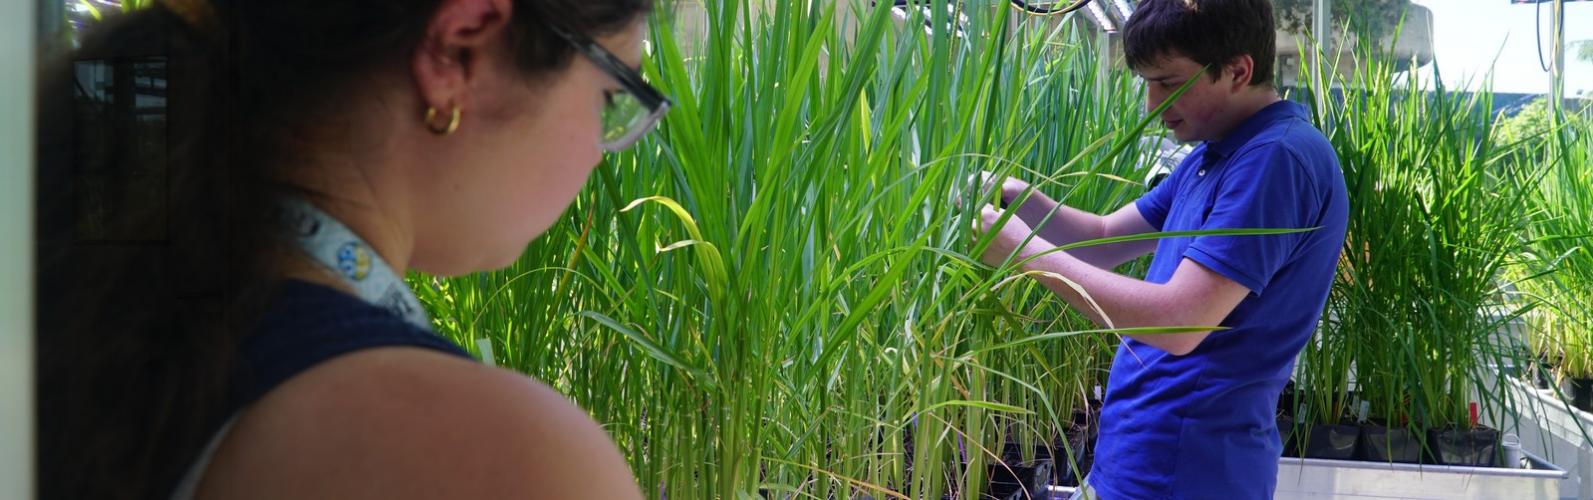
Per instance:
(1262,188)
(1154,205)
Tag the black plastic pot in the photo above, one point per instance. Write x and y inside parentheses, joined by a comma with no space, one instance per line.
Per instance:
(1018,479)
(1078,445)
(1286,398)
(1582,394)
(1467,447)
(1287,437)
(1334,442)
(1390,444)
(1082,446)
(1009,478)
(1543,373)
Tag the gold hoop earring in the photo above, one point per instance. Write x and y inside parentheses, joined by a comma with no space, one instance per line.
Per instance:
(431,121)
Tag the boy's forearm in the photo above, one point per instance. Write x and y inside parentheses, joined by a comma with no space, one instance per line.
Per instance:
(1067,225)
(1128,302)
(1071,225)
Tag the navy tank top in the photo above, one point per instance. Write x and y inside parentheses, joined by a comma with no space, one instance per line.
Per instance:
(304,325)
(307,324)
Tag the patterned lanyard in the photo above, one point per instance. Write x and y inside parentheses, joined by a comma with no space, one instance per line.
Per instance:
(333,245)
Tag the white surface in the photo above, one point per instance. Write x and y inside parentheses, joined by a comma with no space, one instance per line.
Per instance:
(16,249)
(1312,479)
(1548,429)
(1304,478)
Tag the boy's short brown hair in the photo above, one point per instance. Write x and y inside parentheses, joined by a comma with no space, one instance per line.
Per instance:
(1209,32)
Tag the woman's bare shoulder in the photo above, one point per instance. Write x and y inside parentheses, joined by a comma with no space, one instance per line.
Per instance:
(410,423)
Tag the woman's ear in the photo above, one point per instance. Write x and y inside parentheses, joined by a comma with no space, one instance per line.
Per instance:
(447,57)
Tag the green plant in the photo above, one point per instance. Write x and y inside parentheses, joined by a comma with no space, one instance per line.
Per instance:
(78,15)
(1527,131)
(1562,277)
(773,292)
(92,7)
(1438,214)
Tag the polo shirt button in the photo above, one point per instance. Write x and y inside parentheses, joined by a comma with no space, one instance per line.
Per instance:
(1201,172)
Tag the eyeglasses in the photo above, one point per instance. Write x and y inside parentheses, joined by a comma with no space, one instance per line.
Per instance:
(631,112)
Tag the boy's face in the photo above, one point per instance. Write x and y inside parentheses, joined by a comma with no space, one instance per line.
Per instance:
(1206,111)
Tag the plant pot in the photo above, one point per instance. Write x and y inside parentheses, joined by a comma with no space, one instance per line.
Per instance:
(1014,478)
(1287,399)
(1582,394)
(1080,442)
(1542,373)
(1477,447)
(1287,437)
(1333,442)
(1083,456)
(1007,479)
(1390,444)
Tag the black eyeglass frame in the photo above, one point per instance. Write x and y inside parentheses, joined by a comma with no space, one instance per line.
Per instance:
(629,78)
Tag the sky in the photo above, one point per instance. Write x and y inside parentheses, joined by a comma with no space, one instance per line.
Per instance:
(1470,33)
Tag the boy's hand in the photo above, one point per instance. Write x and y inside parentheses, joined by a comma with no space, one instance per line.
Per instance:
(1007,238)
(982,183)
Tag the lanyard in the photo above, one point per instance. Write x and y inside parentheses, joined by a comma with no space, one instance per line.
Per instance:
(333,245)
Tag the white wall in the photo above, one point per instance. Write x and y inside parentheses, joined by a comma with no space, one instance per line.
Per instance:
(17,28)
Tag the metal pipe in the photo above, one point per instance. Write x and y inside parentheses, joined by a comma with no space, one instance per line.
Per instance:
(1557,70)
(1321,22)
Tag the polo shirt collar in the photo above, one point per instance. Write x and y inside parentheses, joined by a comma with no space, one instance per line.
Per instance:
(1252,126)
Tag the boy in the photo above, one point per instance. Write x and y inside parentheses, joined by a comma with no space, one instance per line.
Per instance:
(1191,415)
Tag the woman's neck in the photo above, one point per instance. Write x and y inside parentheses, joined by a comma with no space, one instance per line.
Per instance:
(377,213)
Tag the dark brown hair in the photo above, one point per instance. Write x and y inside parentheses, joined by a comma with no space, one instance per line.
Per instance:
(1210,32)
(159,139)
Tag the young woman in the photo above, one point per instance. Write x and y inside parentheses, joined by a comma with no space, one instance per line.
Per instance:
(245,332)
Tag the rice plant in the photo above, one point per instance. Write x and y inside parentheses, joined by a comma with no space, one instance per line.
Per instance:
(774,293)
(1562,278)
(1438,214)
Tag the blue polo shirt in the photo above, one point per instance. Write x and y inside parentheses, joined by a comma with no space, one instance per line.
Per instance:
(1203,425)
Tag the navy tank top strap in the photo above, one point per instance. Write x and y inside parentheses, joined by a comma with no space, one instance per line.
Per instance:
(307,324)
